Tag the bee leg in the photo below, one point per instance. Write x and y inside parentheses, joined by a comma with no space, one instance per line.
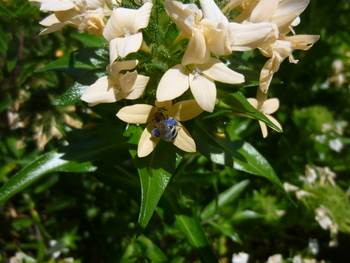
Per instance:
(171,121)
(156,133)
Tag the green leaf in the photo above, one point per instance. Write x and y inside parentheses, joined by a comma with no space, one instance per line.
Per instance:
(47,163)
(237,103)
(155,172)
(6,12)
(224,198)
(4,41)
(90,40)
(232,151)
(72,95)
(79,62)
(227,231)
(151,250)
(6,102)
(186,220)
(75,157)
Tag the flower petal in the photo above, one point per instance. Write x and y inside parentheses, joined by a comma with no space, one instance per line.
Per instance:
(173,84)
(147,142)
(127,81)
(270,106)
(244,37)
(115,25)
(179,13)
(128,44)
(204,91)
(49,20)
(264,11)
(218,71)
(291,7)
(115,68)
(197,51)
(274,121)
(138,87)
(303,42)
(216,37)
(137,114)
(212,12)
(55,5)
(186,110)
(246,12)
(283,22)
(99,92)
(53,28)
(184,140)
(263,128)
(113,50)
(253,102)
(142,16)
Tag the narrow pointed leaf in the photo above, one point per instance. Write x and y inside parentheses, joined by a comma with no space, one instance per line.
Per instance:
(234,152)
(186,220)
(75,157)
(47,163)
(155,172)
(152,251)
(224,198)
(237,103)
(227,231)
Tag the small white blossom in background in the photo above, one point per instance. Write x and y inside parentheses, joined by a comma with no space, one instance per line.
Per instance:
(56,249)
(277,258)
(300,194)
(289,187)
(321,138)
(310,175)
(297,259)
(241,257)
(338,78)
(326,175)
(314,246)
(324,221)
(22,257)
(336,145)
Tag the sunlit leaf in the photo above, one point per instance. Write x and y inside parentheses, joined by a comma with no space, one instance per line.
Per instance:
(155,172)
(234,152)
(45,164)
(79,62)
(90,40)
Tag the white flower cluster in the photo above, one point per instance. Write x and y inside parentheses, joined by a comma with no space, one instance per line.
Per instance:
(261,24)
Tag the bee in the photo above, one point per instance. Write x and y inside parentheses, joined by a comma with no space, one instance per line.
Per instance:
(164,126)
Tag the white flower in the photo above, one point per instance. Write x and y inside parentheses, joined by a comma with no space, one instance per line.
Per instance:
(122,29)
(336,145)
(267,107)
(200,78)
(277,258)
(89,15)
(116,86)
(143,113)
(324,221)
(241,257)
(289,187)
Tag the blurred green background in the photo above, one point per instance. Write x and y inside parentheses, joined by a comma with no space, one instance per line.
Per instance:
(92,218)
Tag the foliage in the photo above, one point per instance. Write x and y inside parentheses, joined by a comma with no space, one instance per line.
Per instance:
(74,190)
